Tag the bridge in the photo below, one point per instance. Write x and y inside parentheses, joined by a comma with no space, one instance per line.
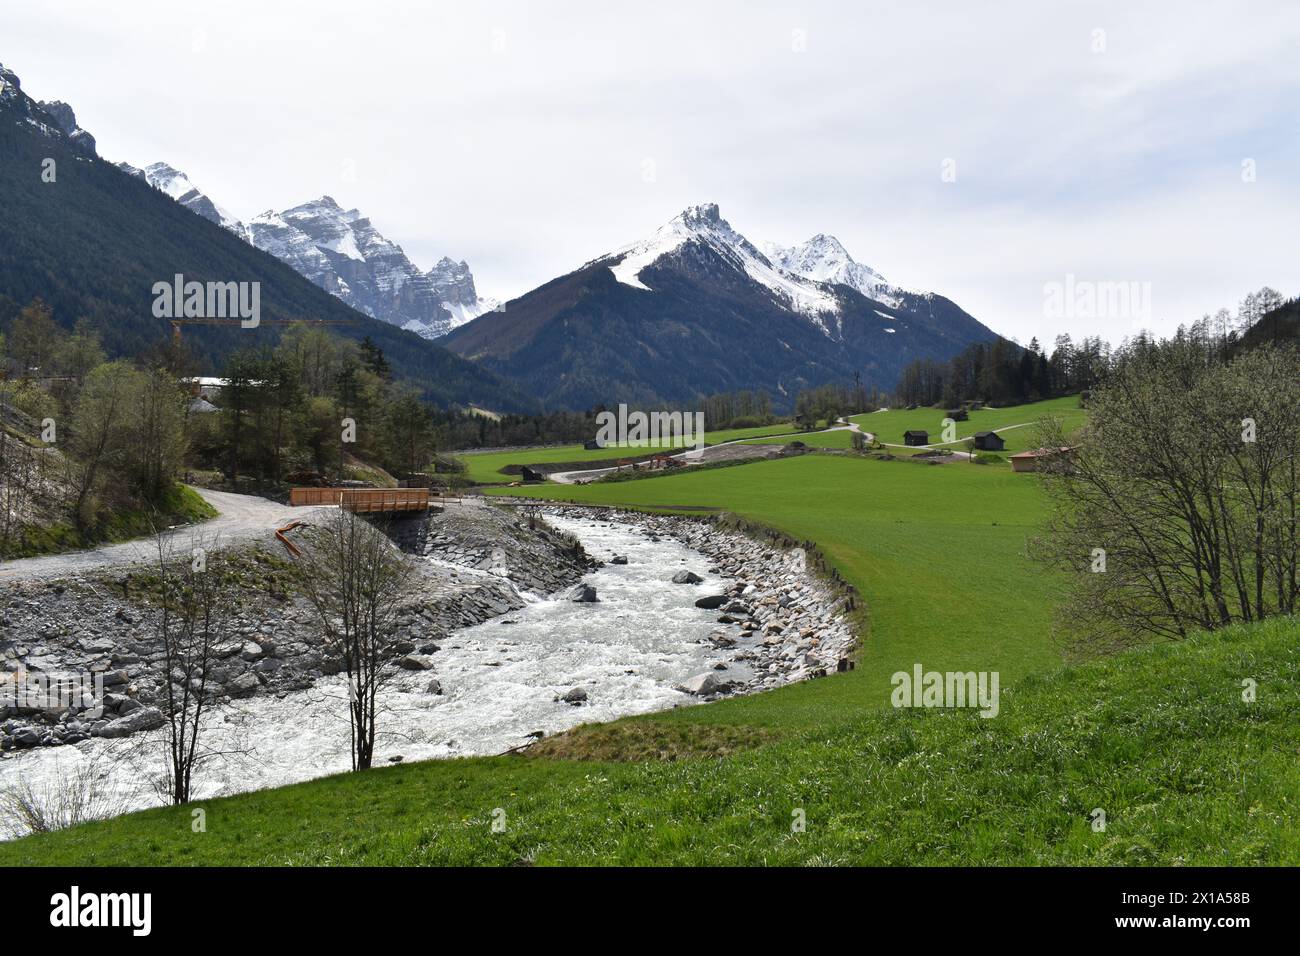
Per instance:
(364,500)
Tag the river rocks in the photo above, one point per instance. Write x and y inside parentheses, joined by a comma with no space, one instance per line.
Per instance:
(27,737)
(618,559)
(778,617)
(434,687)
(687,577)
(500,541)
(583,594)
(415,662)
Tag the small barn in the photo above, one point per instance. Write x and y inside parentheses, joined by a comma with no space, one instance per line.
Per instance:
(915,437)
(989,441)
(957,414)
(1029,460)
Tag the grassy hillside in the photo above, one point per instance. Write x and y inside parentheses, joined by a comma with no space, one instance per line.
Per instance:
(889,425)
(1186,771)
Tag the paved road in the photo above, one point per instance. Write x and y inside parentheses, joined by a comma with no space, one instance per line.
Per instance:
(241,518)
(735,448)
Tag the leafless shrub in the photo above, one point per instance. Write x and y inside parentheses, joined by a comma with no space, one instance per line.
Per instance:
(80,794)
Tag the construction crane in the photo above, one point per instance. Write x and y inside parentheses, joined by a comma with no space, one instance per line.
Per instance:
(177,323)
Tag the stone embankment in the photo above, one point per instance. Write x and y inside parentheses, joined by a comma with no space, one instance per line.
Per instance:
(98,632)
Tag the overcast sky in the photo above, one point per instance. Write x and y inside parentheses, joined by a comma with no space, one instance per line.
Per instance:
(1112,142)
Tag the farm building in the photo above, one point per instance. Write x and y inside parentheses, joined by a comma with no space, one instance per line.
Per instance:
(957,414)
(915,436)
(989,441)
(1028,460)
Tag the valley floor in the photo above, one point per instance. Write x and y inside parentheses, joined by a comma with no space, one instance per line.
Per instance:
(1161,740)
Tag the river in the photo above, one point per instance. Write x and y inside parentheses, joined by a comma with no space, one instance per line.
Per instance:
(500,681)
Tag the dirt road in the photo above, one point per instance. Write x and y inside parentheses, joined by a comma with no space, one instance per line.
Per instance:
(241,518)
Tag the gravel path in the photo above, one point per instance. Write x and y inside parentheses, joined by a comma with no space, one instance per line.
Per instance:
(241,517)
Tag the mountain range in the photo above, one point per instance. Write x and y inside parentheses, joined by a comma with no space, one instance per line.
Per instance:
(697,307)
(692,309)
(343,253)
(93,240)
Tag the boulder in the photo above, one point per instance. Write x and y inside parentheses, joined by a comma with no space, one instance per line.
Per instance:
(434,687)
(575,696)
(712,602)
(146,718)
(415,662)
(687,577)
(702,685)
(583,594)
(618,559)
(243,685)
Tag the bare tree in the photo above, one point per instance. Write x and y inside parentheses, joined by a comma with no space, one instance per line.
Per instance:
(1177,509)
(191,618)
(354,576)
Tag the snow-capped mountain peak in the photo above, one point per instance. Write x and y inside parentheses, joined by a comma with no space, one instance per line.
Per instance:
(704,224)
(342,252)
(170,180)
(823,258)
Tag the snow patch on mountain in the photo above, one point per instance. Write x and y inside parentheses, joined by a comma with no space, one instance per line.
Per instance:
(170,180)
(704,224)
(824,259)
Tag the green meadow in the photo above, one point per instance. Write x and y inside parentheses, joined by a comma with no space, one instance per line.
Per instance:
(888,426)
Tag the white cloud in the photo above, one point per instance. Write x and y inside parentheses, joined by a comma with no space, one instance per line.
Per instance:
(516,137)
